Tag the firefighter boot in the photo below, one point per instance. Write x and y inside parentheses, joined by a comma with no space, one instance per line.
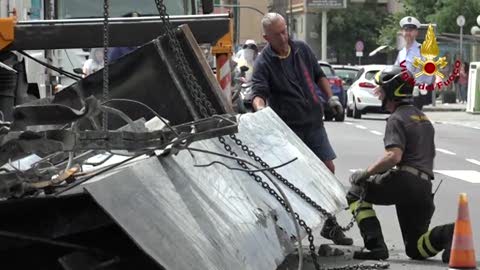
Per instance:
(372,236)
(332,231)
(370,230)
(441,237)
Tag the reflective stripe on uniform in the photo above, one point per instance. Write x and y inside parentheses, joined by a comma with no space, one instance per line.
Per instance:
(362,210)
(425,239)
(363,214)
(358,204)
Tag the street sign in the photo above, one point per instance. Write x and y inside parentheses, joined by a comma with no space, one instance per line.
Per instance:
(326,4)
(359,54)
(359,46)
(461,20)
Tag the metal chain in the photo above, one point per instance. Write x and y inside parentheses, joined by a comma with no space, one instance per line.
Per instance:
(105,62)
(291,186)
(206,109)
(201,101)
(371,266)
(274,193)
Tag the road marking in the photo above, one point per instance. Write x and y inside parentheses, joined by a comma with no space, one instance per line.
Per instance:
(474,161)
(360,127)
(348,123)
(445,151)
(354,170)
(465,175)
(376,132)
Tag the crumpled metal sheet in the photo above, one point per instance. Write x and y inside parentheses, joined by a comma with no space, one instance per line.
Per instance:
(149,74)
(187,217)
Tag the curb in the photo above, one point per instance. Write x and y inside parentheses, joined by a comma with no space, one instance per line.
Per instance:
(436,109)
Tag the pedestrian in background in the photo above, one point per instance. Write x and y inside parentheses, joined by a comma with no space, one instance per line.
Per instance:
(407,56)
(94,62)
(463,82)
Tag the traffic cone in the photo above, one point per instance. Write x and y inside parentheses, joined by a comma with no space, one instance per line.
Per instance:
(462,253)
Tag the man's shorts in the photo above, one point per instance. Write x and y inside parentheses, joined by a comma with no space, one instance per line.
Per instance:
(316,139)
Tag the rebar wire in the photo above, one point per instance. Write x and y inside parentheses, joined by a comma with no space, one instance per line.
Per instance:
(145,106)
(244,170)
(49,242)
(96,173)
(263,171)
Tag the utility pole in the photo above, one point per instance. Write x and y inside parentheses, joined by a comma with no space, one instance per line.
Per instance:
(49,10)
(324,35)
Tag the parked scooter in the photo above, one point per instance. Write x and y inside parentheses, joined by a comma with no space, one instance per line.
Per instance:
(239,81)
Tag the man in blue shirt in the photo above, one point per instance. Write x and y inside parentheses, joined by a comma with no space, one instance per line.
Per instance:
(286,76)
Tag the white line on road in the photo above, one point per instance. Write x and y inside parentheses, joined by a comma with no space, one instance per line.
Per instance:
(360,127)
(376,132)
(468,176)
(348,123)
(445,151)
(474,161)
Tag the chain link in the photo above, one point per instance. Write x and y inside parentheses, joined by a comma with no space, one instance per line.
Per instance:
(105,62)
(201,101)
(274,193)
(291,186)
(372,266)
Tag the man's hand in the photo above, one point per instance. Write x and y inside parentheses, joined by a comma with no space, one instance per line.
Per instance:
(258,103)
(335,105)
(359,177)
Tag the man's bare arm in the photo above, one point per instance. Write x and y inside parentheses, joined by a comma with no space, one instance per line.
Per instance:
(391,158)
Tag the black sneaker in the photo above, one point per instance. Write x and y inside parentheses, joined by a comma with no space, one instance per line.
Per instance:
(331,231)
(378,253)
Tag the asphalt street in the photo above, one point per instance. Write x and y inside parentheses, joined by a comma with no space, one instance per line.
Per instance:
(359,142)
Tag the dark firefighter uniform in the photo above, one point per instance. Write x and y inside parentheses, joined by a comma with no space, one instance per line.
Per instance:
(408,185)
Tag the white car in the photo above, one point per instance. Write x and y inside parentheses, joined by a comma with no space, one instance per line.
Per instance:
(360,96)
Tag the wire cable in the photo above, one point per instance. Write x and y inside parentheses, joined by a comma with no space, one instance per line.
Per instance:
(263,171)
(59,70)
(95,174)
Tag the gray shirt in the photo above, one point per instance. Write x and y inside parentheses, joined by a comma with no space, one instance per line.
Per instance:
(409,129)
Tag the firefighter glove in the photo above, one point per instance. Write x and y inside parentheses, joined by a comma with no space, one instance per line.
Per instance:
(335,105)
(359,177)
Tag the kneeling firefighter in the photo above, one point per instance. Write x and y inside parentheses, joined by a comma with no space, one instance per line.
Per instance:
(402,177)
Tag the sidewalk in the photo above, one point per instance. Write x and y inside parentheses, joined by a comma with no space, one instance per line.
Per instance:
(447,107)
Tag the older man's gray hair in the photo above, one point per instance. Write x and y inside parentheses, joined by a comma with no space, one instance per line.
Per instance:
(269,18)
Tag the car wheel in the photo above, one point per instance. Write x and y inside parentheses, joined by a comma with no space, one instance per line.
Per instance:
(357,114)
(340,117)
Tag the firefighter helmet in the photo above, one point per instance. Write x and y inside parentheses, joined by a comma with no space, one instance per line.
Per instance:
(394,82)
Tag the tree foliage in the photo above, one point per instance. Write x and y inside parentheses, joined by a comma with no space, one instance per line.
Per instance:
(447,12)
(356,22)
(444,13)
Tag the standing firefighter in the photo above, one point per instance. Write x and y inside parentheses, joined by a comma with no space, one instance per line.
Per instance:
(402,177)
